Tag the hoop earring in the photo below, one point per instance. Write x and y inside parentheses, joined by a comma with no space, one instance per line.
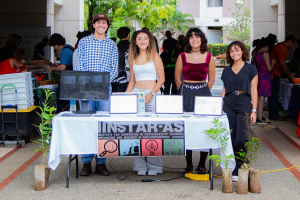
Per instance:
(148,47)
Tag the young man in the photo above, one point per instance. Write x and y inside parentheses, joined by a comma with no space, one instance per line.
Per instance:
(279,54)
(121,82)
(100,54)
(169,39)
(15,64)
(59,43)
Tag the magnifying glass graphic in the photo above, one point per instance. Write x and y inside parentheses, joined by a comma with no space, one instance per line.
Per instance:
(151,145)
(110,146)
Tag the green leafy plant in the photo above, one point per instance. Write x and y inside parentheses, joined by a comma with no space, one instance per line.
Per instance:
(46,115)
(253,144)
(218,48)
(54,76)
(220,135)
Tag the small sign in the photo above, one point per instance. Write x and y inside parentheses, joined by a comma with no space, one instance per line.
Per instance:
(168,104)
(123,104)
(208,105)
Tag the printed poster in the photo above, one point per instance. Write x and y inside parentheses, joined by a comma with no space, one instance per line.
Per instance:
(141,138)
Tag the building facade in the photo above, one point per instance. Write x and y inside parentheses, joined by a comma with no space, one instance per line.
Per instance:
(210,16)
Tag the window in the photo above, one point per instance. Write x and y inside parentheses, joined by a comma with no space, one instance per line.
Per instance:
(214,3)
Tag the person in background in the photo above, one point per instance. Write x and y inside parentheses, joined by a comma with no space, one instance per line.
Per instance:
(66,56)
(296,53)
(264,68)
(169,39)
(114,39)
(10,45)
(239,89)
(279,54)
(16,64)
(255,45)
(145,65)
(79,36)
(194,64)
(168,59)
(180,38)
(121,82)
(272,40)
(145,28)
(39,49)
(179,50)
(97,53)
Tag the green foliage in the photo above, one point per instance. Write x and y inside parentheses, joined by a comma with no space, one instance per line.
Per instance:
(46,115)
(177,22)
(216,48)
(51,97)
(220,135)
(54,76)
(239,27)
(118,24)
(149,12)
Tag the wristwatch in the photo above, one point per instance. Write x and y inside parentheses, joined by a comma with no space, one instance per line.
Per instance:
(152,93)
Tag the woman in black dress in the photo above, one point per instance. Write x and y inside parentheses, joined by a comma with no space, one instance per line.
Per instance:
(239,89)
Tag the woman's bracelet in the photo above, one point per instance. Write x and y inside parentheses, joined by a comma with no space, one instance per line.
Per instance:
(253,110)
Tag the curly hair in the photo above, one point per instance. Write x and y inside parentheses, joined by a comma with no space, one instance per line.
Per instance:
(56,39)
(197,32)
(19,55)
(134,50)
(245,56)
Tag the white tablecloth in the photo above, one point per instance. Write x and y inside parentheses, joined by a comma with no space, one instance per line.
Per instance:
(285,93)
(78,135)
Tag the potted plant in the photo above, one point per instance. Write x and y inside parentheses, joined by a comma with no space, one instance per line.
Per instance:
(221,135)
(42,171)
(248,158)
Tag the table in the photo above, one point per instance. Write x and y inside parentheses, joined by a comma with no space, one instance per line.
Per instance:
(78,135)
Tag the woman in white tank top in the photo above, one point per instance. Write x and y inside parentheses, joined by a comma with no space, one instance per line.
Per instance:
(145,66)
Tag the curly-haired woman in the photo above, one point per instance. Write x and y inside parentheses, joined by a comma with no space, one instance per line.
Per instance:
(239,89)
(145,66)
(194,64)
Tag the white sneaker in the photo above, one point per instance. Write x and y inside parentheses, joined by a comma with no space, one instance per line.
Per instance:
(235,178)
(152,173)
(141,173)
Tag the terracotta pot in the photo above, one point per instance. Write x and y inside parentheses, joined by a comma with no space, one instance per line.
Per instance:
(47,174)
(227,181)
(254,181)
(243,184)
(39,177)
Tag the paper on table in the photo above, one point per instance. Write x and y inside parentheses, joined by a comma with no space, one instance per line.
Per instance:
(123,104)
(169,104)
(208,105)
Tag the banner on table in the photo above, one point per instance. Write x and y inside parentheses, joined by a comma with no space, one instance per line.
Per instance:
(140,138)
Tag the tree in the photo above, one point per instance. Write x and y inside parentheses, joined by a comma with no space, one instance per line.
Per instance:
(177,22)
(239,27)
(149,12)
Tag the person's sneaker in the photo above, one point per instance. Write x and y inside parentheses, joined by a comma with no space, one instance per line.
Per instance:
(235,178)
(152,173)
(141,173)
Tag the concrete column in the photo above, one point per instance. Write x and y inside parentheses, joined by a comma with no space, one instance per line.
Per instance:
(203,8)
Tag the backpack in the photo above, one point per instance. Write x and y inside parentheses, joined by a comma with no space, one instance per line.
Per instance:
(72,49)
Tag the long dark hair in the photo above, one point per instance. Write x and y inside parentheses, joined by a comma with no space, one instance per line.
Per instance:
(197,32)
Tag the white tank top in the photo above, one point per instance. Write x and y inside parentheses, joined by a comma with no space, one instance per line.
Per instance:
(144,72)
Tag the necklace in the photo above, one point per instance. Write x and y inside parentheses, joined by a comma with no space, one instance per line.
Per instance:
(236,68)
(195,51)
